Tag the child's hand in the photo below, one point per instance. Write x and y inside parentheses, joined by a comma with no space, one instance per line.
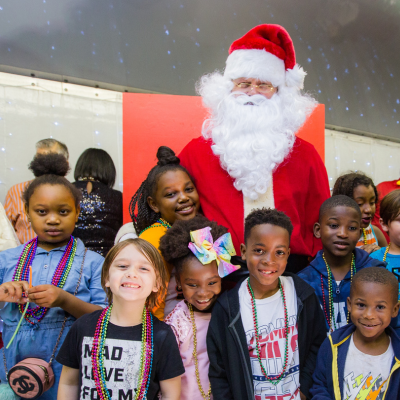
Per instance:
(46,295)
(303,396)
(370,248)
(12,291)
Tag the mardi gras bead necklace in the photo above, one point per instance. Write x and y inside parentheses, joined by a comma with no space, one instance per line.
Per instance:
(161,222)
(365,236)
(276,379)
(386,252)
(146,356)
(331,316)
(21,273)
(196,361)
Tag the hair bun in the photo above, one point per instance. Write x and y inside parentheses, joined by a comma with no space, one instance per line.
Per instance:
(49,164)
(166,156)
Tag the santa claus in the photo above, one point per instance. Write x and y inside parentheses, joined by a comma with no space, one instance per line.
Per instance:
(248,155)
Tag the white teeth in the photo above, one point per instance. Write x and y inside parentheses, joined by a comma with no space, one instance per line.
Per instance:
(130,285)
(186,208)
(203,301)
(267,272)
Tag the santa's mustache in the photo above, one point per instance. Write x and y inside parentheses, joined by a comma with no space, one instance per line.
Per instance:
(254,100)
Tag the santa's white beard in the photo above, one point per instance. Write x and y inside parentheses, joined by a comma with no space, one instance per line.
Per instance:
(252,140)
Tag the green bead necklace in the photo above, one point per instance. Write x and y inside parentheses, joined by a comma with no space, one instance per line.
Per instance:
(276,379)
(330,292)
(160,222)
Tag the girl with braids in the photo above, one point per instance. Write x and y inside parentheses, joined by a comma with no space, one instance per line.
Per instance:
(166,195)
(200,250)
(361,188)
(46,271)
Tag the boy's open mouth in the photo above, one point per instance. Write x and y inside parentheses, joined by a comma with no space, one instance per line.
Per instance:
(369,325)
(267,272)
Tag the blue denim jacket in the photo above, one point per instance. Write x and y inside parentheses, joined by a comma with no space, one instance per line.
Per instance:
(38,341)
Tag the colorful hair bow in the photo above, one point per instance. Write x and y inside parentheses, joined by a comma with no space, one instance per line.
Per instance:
(205,250)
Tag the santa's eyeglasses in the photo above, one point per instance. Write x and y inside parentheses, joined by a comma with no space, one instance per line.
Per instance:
(262,87)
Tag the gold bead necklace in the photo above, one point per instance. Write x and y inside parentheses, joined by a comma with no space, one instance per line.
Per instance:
(196,362)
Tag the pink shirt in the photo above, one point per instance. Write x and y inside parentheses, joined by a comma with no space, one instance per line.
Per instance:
(179,320)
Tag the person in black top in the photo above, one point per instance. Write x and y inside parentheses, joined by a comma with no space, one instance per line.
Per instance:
(101,206)
(128,361)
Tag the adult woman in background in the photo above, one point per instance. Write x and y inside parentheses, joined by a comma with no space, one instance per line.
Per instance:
(101,206)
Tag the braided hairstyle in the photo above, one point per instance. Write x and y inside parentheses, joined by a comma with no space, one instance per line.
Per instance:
(346,184)
(174,244)
(50,169)
(145,217)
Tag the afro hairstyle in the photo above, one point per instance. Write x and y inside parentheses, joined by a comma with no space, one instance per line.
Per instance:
(270,216)
(174,244)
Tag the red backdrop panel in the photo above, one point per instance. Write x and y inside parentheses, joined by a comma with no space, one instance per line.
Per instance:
(152,120)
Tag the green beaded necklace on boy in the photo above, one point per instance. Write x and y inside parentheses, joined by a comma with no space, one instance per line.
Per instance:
(160,222)
(331,315)
(276,379)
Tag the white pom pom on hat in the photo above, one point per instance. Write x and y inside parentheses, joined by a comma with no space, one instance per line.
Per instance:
(266,52)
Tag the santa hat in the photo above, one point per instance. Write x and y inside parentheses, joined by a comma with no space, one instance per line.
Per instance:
(266,52)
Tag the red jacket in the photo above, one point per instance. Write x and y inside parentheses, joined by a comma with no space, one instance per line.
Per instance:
(300,186)
(383,188)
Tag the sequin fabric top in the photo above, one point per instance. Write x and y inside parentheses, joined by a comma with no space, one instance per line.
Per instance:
(100,217)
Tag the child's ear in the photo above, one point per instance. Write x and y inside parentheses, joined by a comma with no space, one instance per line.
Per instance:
(107,283)
(243,251)
(26,209)
(395,310)
(152,204)
(78,211)
(384,226)
(348,303)
(317,230)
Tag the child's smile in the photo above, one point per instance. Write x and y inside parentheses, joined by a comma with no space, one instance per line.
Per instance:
(131,276)
(200,283)
(371,308)
(176,197)
(266,252)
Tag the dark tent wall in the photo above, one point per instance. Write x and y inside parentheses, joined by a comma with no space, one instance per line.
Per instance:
(350,48)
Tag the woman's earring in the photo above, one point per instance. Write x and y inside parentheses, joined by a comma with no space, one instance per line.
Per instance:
(178,288)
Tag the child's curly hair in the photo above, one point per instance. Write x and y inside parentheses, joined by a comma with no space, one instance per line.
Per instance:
(174,244)
(346,184)
(145,217)
(270,216)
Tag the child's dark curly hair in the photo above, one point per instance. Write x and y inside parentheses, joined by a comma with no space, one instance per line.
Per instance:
(346,184)
(174,244)
(145,217)
(50,169)
(270,216)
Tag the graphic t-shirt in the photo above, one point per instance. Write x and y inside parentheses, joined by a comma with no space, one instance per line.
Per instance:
(365,376)
(271,334)
(122,352)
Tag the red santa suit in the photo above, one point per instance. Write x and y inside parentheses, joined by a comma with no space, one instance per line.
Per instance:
(384,188)
(300,186)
